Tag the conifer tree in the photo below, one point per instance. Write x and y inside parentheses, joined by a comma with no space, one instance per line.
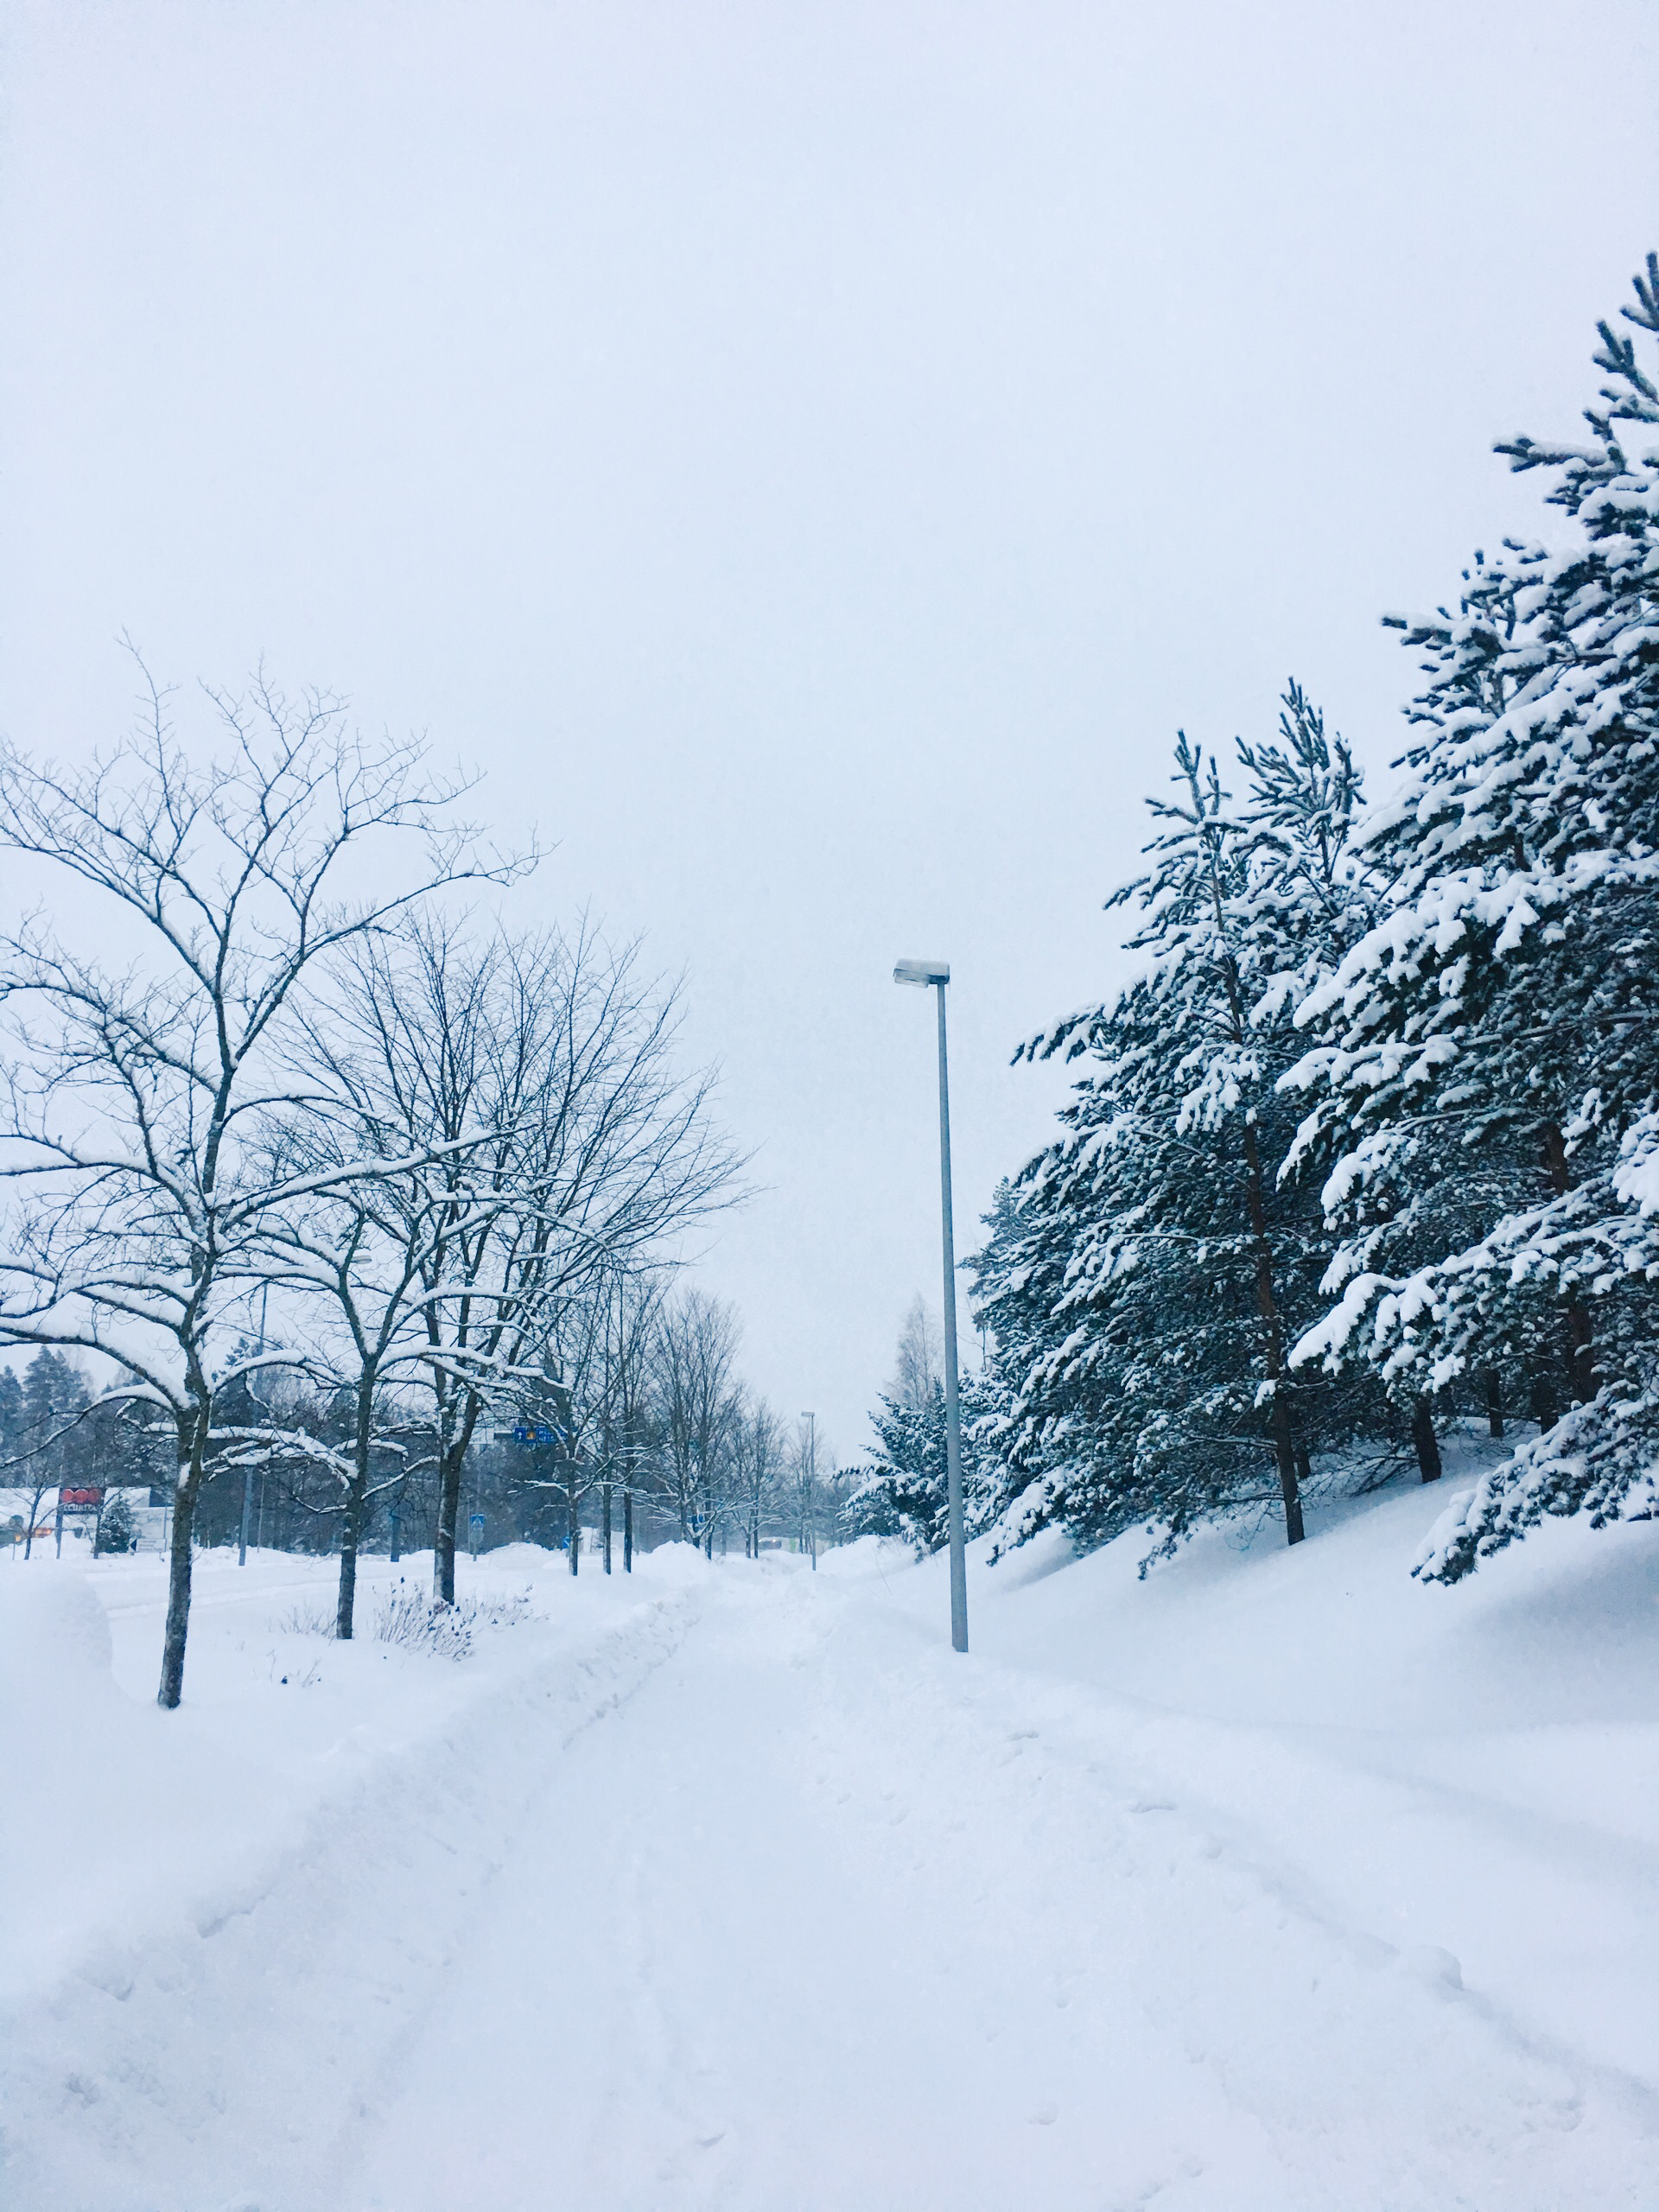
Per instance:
(114,1529)
(11,1413)
(53,1394)
(1148,1272)
(904,1489)
(1484,1056)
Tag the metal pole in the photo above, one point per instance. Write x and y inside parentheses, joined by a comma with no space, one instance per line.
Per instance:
(811,1488)
(952,1403)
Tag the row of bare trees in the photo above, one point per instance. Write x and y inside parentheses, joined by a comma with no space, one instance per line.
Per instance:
(726,1462)
(639,1425)
(273,1103)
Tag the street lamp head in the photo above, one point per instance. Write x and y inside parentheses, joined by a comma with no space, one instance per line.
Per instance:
(922,971)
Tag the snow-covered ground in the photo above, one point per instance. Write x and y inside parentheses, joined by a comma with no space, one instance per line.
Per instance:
(1275,1880)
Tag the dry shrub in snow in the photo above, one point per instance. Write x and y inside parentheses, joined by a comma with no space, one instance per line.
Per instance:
(409,1617)
(312,1617)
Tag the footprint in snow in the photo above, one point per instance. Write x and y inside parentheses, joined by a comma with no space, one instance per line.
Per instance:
(1428,1962)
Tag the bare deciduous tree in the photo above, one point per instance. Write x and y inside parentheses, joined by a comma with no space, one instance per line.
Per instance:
(918,1363)
(759,1457)
(640,1296)
(355,1249)
(696,1401)
(564,1146)
(132,1092)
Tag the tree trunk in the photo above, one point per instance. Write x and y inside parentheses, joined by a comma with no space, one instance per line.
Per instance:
(351,1523)
(1494,1404)
(454,1436)
(573,1526)
(628,1530)
(605,1517)
(443,1540)
(194,1440)
(1272,1342)
(1422,1435)
(1542,1404)
(1581,1344)
(1285,1451)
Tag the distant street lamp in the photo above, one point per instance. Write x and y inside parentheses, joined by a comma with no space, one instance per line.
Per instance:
(811,1528)
(938,973)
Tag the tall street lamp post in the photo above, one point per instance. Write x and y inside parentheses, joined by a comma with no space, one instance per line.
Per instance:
(811,1529)
(938,973)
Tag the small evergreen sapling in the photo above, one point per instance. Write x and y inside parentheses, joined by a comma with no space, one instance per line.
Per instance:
(903,1490)
(114,1529)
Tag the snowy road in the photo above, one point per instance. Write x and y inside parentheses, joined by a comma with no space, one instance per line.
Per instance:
(846,1926)
(743,1891)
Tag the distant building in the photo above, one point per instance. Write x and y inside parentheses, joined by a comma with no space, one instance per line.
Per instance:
(79,1508)
(14,1507)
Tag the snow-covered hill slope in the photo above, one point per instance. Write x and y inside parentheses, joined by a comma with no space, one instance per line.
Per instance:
(1475,1768)
(1274,1880)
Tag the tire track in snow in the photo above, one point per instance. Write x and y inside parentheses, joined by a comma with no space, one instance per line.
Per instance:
(870,1928)
(1371,2077)
(234,2057)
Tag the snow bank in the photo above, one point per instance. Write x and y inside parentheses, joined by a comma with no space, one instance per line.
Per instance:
(1273,1882)
(672,1566)
(1473,1769)
(866,1556)
(162,1871)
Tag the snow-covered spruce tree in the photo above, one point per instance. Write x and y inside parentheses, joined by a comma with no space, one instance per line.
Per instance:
(52,1398)
(115,1530)
(904,1489)
(1149,1271)
(1035,1427)
(1485,1055)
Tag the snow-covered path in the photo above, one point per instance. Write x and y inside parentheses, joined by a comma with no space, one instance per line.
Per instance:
(733,1887)
(843,1924)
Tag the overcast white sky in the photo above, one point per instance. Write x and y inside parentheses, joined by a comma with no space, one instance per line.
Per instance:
(811,457)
